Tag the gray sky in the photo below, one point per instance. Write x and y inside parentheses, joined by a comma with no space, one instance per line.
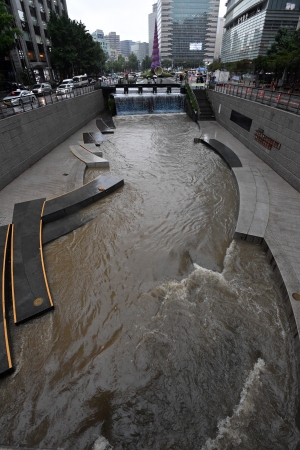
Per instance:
(128,18)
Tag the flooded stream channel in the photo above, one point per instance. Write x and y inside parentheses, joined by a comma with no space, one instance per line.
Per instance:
(167,334)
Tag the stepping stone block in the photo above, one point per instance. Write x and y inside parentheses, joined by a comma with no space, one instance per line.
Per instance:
(5,353)
(30,291)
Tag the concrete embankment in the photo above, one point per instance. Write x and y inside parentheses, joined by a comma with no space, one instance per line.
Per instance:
(272,134)
(25,138)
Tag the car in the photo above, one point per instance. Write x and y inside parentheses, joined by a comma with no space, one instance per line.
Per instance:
(80,81)
(42,89)
(64,88)
(67,81)
(19,97)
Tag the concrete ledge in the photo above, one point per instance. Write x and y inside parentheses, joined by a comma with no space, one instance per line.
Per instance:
(30,292)
(253,195)
(254,205)
(87,157)
(71,202)
(5,353)
(91,148)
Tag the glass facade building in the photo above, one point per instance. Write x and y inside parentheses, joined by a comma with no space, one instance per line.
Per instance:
(251,26)
(187,29)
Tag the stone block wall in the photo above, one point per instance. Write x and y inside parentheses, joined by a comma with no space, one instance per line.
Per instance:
(25,138)
(280,126)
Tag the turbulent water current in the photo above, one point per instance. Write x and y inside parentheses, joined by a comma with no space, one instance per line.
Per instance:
(166,333)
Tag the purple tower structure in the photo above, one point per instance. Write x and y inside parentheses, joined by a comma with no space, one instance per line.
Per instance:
(155,51)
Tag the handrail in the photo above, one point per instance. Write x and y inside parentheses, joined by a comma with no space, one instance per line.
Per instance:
(43,101)
(273,98)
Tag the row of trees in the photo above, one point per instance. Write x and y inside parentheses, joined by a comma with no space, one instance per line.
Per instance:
(73,49)
(282,59)
(8,32)
(121,64)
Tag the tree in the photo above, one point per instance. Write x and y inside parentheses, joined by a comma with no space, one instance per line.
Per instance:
(7,30)
(284,53)
(215,65)
(73,49)
(166,63)
(133,62)
(146,63)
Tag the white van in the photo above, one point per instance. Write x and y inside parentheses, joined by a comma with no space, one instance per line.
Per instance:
(80,80)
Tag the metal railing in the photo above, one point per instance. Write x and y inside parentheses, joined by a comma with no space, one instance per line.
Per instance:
(276,99)
(40,101)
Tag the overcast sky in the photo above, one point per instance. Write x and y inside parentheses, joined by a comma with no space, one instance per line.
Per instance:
(128,18)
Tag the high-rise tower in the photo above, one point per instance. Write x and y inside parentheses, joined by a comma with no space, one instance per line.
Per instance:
(187,29)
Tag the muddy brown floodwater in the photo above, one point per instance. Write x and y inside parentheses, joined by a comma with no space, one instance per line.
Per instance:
(167,334)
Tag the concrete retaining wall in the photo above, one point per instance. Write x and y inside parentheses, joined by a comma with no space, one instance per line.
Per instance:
(25,138)
(283,127)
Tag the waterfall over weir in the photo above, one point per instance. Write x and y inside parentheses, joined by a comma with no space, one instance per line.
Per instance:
(149,103)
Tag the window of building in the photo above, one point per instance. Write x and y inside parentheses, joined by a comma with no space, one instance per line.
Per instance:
(31,56)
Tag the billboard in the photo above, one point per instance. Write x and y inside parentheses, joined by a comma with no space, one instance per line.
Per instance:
(196,46)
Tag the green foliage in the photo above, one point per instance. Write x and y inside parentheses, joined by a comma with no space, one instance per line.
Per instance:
(284,53)
(146,63)
(166,63)
(239,67)
(215,65)
(7,30)
(191,97)
(133,62)
(116,66)
(73,49)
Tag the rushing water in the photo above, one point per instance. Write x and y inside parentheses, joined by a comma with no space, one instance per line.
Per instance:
(166,334)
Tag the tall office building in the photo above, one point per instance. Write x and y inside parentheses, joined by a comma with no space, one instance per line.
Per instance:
(251,25)
(187,29)
(126,47)
(114,41)
(151,25)
(219,37)
(98,36)
(140,49)
(34,47)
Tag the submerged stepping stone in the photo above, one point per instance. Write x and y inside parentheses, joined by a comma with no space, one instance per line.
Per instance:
(91,148)
(87,138)
(61,227)
(87,157)
(103,127)
(5,354)
(107,119)
(30,291)
(73,201)
(94,138)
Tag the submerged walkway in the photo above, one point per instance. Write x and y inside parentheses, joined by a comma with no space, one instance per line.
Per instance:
(272,206)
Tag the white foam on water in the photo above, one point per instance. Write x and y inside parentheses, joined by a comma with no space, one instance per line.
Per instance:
(245,407)
(102,444)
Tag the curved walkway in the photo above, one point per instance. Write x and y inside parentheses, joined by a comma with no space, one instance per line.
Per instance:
(270,210)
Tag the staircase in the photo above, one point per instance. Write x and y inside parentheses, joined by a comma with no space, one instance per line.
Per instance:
(206,111)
